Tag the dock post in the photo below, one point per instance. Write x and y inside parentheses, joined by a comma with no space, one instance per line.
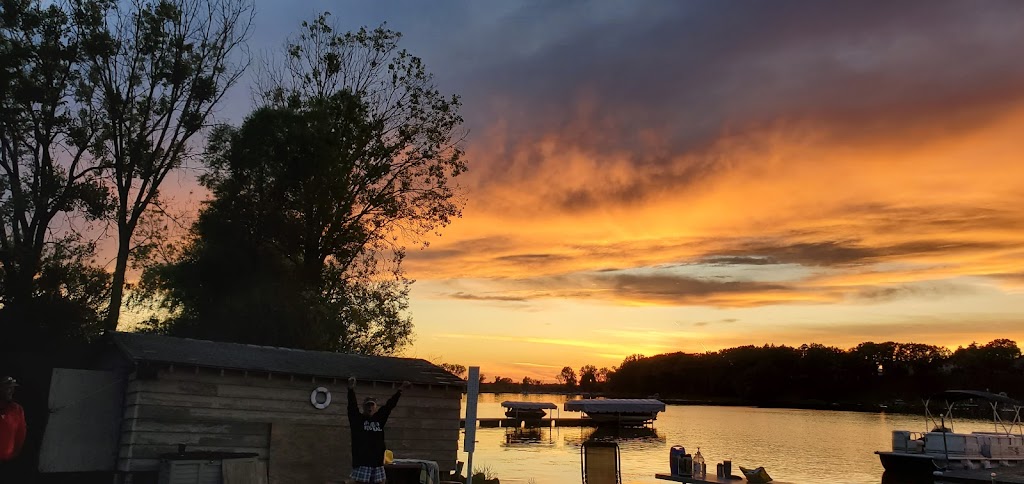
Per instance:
(472,394)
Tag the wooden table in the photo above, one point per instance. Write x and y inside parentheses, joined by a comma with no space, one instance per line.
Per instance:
(713,480)
(701,480)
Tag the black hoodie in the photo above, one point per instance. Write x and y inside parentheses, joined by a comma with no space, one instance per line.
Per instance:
(368,432)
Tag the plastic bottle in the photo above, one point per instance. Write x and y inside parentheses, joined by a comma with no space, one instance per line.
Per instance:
(699,468)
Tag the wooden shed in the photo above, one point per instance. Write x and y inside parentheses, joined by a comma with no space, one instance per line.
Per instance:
(236,398)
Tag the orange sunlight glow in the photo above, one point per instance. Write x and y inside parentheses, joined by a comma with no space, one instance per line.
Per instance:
(888,221)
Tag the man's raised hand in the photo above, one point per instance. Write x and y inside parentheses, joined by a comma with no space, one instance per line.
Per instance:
(406,385)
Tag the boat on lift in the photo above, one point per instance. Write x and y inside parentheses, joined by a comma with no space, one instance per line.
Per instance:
(939,448)
(618,411)
(527,410)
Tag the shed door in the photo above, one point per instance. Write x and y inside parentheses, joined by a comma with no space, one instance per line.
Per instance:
(85,420)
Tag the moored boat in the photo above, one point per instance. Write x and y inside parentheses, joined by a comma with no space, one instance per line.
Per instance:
(527,410)
(920,454)
(618,411)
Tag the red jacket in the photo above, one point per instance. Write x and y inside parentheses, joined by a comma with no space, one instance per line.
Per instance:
(12,430)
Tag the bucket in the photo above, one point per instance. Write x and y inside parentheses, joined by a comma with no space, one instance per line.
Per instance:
(675,458)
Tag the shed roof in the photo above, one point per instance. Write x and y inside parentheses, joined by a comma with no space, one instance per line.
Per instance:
(235,356)
(615,405)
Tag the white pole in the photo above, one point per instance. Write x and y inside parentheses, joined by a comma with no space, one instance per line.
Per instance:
(472,393)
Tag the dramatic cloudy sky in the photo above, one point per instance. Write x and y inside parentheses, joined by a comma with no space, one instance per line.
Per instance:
(648,177)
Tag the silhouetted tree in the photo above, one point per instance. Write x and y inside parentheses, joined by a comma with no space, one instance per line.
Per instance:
(455,369)
(156,70)
(351,156)
(992,366)
(816,375)
(567,377)
(49,185)
(588,377)
(67,301)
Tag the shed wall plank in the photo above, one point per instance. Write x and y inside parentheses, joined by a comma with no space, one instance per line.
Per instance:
(237,388)
(232,428)
(201,440)
(155,451)
(412,407)
(217,415)
(144,465)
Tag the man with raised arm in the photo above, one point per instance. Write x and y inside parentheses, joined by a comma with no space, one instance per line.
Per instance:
(367,427)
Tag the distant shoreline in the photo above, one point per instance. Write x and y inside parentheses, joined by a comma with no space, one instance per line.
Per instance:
(900,408)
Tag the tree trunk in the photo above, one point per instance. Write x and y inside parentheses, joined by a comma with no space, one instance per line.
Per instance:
(117,282)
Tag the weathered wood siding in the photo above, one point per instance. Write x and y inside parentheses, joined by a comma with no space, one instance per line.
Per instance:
(272,417)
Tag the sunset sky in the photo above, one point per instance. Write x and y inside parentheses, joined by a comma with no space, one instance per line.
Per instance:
(650,177)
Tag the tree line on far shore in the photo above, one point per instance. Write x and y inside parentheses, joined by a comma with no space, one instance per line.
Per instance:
(810,373)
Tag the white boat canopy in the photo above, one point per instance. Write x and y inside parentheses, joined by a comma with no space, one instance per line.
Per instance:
(528,405)
(615,405)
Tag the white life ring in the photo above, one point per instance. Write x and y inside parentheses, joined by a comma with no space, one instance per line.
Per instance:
(316,401)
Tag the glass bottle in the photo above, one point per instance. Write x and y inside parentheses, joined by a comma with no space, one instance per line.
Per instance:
(699,467)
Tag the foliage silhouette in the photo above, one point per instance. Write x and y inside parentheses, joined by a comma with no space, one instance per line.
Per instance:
(156,70)
(51,187)
(351,156)
(811,375)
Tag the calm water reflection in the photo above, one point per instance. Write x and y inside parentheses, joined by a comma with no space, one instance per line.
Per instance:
(795,446)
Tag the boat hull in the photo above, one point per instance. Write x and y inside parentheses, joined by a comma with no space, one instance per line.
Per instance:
(525,414)
(911,465)
(622,419)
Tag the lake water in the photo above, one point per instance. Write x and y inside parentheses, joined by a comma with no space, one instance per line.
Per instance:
(794,446)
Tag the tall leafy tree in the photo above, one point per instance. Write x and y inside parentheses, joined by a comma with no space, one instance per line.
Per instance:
(49,185)
(316,195)
(159,68)
(397,141)
(566,377)
(588,376)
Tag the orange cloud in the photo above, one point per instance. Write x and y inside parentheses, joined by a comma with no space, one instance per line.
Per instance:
(799,236)
(947,207)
